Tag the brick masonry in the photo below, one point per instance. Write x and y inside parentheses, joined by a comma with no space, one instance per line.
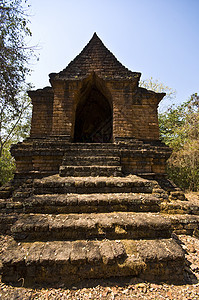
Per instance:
(134,109)
(95,99)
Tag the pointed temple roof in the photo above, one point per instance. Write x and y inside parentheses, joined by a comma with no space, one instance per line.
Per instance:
(95,57)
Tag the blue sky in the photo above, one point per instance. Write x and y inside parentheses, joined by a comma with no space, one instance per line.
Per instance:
(159,38)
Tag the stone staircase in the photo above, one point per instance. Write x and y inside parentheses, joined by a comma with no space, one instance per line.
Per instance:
(88,160)
(81,224)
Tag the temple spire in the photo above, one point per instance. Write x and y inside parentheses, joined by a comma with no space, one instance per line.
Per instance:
(95,57)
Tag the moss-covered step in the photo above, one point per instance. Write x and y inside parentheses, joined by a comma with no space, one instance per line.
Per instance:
(55,263)
(118,225)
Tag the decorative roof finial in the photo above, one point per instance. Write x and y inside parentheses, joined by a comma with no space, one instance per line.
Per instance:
(95,35)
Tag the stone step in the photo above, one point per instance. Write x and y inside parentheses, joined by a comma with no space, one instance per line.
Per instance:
(6,222)
(10,206)
(80,185)
(180,207)
(86,151)
(67,147)
(114,146)
(33,174)
(184,224)
(120,225)
(74,261)
(180,223)
(4,194)
(92,146)
(70,160)
(88,203)
(84,171)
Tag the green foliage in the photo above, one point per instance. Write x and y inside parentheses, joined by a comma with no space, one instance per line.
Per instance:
(15,126)
(14,54)
(7,166)
(14,129)
(179,129)
(158,87)
(15,107)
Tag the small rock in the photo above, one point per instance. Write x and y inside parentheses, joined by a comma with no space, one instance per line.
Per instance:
(191,249)
(194,267)
(125,291)
(154,286)
(144,290)
(141,285)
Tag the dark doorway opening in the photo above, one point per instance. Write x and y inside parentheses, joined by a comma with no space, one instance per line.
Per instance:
(94,118)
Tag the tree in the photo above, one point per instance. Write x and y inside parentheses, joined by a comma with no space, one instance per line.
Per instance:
(179,128)
(14,60)
(158,87)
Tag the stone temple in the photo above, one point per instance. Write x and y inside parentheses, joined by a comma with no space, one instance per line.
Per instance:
(95,99)
(90,197)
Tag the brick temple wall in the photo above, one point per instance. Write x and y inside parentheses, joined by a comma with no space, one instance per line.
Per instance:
(134,113)
(134,110)
(42,113)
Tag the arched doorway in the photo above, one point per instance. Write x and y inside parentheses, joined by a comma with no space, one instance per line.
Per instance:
(94,118)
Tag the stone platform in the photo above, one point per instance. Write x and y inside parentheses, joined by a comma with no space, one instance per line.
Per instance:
(66,228)
(51,155)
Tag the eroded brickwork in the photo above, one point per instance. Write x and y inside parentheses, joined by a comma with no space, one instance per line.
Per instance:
(42,113)
(134,109)
(95,99)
